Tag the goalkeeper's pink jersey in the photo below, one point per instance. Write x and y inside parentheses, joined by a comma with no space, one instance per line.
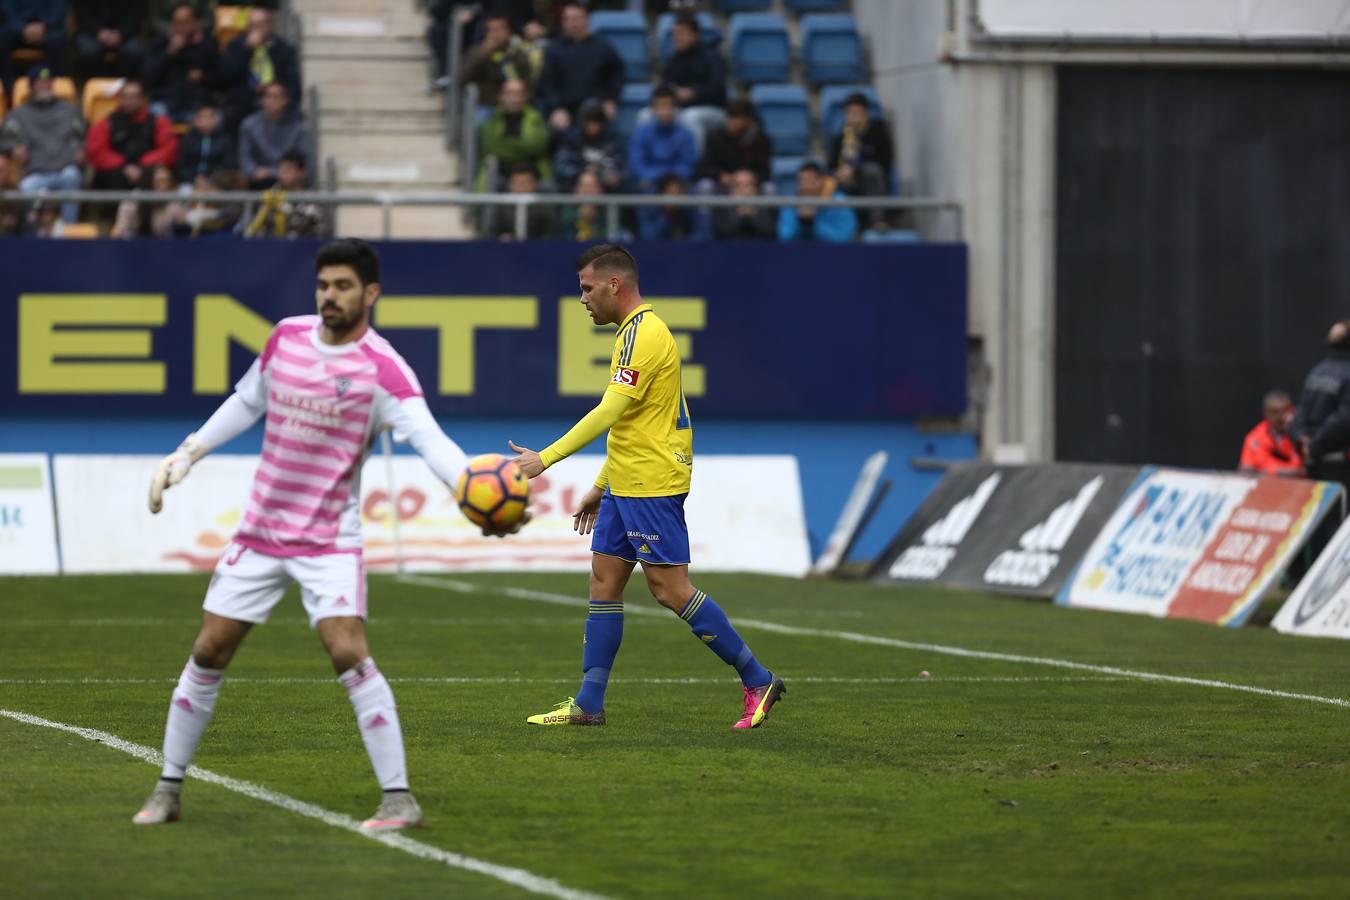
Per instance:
(324,406)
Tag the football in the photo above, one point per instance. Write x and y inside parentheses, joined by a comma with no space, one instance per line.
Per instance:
(493,492)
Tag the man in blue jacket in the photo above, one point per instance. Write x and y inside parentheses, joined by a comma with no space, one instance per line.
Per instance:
(578,66)
(834,225)
(661,146)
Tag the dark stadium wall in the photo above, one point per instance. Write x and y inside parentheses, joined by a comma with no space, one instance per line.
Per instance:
(1203,221)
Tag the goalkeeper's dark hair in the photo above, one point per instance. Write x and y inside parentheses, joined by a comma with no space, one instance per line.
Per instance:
(354,252)
(610,258)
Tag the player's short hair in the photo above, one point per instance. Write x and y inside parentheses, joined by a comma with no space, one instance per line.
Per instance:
(354,252)
(610,258)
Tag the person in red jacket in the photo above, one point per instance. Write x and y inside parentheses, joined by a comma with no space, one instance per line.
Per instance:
(1268,449)
(126,146)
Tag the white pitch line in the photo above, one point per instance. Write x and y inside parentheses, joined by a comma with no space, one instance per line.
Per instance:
(468,587)
(518,877)
(452,679)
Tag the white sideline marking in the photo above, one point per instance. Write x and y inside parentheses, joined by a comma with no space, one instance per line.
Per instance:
(468,587)
(453,679)
(141,622)
(518,877)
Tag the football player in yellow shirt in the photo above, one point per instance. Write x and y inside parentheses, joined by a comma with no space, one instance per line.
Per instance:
(636,508)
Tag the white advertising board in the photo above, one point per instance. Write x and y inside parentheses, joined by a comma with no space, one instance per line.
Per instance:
(744,514)
(1159,21)
(1320,605)
(27,530)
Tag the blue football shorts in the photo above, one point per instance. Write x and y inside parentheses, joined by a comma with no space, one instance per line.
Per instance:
(642,529)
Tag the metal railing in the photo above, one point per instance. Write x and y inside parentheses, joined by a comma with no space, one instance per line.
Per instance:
(387,201)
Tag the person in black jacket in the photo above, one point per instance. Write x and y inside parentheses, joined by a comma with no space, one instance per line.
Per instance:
(108,37)
(183,66)
(696,73)
(578,66)
(1322,425)
(739,144)
(591,145)
(252,61)
(206,149)
(752,223)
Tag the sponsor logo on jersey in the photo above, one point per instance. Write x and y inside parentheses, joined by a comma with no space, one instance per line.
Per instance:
(625,375)
(342,385)
(645,549)
(930,558)
(1039,548)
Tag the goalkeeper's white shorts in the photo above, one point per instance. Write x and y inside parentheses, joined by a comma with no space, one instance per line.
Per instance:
(247,584)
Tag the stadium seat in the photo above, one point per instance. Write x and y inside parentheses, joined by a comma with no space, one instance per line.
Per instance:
(707,29)
(633,99)
(786,116)
(231,21)
(760,51)
(832,106)
(890,236)
(813,6)
(61,87)
(100,98)
(736,6)
(627,33)
(783,171)
(82,231)
(831,49)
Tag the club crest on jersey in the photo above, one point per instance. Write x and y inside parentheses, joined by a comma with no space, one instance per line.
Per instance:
(625,375)
(342,385)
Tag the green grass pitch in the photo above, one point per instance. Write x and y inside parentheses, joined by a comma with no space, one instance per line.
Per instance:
(991,777)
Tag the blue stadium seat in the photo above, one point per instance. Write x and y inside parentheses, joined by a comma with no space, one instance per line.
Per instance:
(783,173)
(633,99)
(831,49)
(786,116)
(760,50)
(735,6)
(814,6)
(707,29)
(832,106)
(627,32)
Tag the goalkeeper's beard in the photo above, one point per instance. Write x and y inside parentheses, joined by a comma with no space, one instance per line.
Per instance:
(339,323)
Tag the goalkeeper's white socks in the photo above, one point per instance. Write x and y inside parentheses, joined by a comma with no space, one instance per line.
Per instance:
(189,713)
(377,718)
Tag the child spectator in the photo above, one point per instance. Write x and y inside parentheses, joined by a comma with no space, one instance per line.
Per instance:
(591,145)
(673,223)
(282,217)
(206,149)
(812,223)
(161,220)
(661,146)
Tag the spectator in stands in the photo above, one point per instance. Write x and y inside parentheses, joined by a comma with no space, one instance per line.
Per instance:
(501,57)
(161,13)
(673,223)
(861,156)
(578,66)
(124,147)
(269,134)
(811,223)
(1268,449)
(282,217)
(514,134)
(160,220)
(438,34)
(38,25)
(585,221)
(211,219)
(740,143)
(661,146)
(252,61)
(591,145)
(1321,428)
(183,65)
(540,221)
(206,149)
(108,37)
(752,223)
(696,73)
(46,134)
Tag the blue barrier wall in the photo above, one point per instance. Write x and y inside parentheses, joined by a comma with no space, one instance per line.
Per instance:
(492,329)
(829,454)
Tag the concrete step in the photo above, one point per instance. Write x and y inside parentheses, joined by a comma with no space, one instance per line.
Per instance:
(407,223)
(343,122)
(370,172)
(360,50)
(340,98)
(391,74)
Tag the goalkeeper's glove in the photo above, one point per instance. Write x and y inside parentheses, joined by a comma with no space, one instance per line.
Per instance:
(173,469)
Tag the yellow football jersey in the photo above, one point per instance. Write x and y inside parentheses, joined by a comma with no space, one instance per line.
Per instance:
(651,449)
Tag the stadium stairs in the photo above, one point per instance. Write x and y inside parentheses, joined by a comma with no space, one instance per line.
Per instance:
(371,64)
